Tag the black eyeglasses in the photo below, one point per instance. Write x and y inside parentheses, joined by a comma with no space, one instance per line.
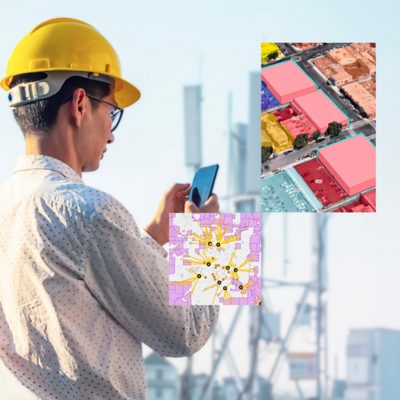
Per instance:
(116,114)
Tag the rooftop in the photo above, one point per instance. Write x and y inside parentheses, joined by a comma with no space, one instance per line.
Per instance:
(333,70)
(274,134)
(280,194)
(362,97)
(268,101)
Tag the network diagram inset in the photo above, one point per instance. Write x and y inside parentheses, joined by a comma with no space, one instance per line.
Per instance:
(215,259)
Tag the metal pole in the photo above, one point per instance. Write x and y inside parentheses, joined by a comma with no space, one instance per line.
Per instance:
(285,245)
(299,391)
(319,307)
(283,342)
(187,387)
(255,333)
(210,380)
(319,340)
(231,158)
(326,349)
(230,361)
(320,226)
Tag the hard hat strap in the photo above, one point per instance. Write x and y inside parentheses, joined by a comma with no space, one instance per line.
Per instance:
(26,93)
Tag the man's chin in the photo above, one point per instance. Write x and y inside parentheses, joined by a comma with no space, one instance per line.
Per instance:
(91,167)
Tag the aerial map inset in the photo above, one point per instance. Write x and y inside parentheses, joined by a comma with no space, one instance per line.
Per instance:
(318,120)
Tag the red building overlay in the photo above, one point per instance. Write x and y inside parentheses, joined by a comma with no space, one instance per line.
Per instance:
(296,122)
(321,182)
(366,203)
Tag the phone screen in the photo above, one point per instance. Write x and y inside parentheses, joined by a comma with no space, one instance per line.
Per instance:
(203,183)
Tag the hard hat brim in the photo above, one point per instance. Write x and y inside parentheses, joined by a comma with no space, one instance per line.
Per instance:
(125,93)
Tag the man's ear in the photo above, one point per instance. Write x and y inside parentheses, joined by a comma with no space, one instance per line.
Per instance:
(78,106)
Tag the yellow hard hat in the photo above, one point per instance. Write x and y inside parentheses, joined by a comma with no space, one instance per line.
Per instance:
(70,45)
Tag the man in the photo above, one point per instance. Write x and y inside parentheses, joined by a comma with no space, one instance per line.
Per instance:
(81,287)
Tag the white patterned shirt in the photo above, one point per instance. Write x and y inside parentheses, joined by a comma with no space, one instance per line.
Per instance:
(81,288)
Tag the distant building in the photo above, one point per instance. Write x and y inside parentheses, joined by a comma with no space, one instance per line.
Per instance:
(192,124)
(253,151)
(373,364)
(229,391)
(237,174)
(197,386)
(339,390)
(264,389)
(163,381)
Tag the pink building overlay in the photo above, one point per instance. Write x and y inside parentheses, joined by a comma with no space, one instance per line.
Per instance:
(320,110)
(287,81)
(352,162)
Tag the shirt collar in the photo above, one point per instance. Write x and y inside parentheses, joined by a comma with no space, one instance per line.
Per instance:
(40,161)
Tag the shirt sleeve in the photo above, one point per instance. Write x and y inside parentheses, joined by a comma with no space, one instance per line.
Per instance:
(130,279)
(153,244)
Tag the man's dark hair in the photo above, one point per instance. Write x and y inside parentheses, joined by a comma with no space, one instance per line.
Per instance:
(38,117)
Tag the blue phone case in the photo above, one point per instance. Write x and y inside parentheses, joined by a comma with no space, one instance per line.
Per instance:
(203,184)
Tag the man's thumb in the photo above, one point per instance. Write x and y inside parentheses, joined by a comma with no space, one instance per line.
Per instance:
(190,207)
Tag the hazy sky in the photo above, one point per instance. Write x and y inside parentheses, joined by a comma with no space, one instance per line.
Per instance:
(166,44)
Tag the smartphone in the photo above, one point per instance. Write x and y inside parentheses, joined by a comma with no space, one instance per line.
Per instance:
(203,184)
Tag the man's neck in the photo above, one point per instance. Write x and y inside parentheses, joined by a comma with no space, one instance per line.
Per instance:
(51,145)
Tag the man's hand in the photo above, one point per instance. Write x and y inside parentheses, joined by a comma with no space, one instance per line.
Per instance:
(210,206)
(174,201)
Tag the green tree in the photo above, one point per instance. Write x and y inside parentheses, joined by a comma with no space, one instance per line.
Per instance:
(300,141)
(273,56)
(316,135)
(265,153)
(334,129)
